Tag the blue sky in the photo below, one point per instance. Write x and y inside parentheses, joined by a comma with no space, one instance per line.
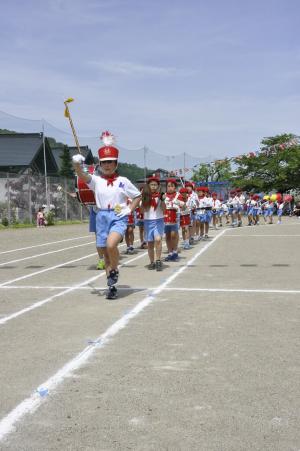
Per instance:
(204,77)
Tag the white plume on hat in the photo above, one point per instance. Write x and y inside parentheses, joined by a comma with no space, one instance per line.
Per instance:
(108,138)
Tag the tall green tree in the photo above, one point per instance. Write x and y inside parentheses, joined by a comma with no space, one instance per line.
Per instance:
(218,171)
(66,169)
(276,166)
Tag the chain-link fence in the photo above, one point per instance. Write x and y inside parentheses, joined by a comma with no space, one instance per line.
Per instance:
(21,196)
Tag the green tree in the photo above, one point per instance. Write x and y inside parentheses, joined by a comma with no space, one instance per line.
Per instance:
(132,171)
(217,171)
(66,169)
(276,166)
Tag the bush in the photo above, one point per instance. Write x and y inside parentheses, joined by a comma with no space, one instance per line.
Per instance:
(49,218)
(5,222)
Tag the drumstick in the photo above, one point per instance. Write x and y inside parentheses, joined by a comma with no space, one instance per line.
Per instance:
(68,115)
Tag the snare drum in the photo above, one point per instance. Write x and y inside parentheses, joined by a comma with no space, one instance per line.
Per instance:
(139,214)
(85,195)
(130,219)
(185,220)
(170,216)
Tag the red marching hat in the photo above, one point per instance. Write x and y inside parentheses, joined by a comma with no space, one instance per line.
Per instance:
(108,151)
(183,190)
(153,178)
(171,180)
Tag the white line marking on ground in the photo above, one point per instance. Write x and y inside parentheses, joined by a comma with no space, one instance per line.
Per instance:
(47,253)
(30,404)
(50,268)
(76,287)
(62,293)
(254,236)
(233,290)
(41,287)
(46,269)
(45,244)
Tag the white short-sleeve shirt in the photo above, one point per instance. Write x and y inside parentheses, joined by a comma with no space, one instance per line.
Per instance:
(108,196)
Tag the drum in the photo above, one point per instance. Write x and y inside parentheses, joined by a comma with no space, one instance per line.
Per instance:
(139,214)
(185,220)
(84,194)
(130,219)
(170,216)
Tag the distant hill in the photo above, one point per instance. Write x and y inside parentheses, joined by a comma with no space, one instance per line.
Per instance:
(4,131)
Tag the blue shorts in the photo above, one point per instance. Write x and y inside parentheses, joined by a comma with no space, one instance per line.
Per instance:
(193,217)
(279,213)
(92,225)
(139,223)
(107,222)
(171,228)
(270,211)
(153,228)
(203,217)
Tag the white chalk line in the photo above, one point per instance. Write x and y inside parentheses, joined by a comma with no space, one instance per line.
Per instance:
(4,284)
(62,293)
(44,244)
(51,268)
(234,290)
(120,288)
(47,253)
(265,236)
(30,404)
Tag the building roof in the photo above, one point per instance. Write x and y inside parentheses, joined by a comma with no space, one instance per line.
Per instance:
(25,150)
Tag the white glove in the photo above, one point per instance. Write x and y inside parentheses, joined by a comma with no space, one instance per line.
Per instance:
(124,212)
(78,158)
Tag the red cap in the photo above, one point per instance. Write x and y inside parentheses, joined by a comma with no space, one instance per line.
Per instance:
(183,190)
(214,194)
(172,181)
(153,178)
(108,153)
(189,184)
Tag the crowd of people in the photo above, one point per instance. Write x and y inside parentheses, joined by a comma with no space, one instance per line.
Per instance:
(182,210)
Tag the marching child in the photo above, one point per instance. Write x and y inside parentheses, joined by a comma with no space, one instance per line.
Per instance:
(111,194)
(129,234)
(216,205)
(139,222)
(153,208)
(185,218)
(173,205)
(192,204)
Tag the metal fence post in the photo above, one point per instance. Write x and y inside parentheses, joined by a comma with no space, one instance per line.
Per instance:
(29,198)
(8,199)
(66,199)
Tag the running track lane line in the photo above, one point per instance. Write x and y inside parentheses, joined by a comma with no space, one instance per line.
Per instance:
(47,253)
(50,268)
(45,244)
(32,403)
(62,293)
(220,290)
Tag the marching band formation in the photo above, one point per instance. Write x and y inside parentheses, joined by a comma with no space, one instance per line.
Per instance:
(117,207)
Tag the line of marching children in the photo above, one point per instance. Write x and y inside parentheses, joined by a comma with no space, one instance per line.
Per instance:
(119,205)
(164,214)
